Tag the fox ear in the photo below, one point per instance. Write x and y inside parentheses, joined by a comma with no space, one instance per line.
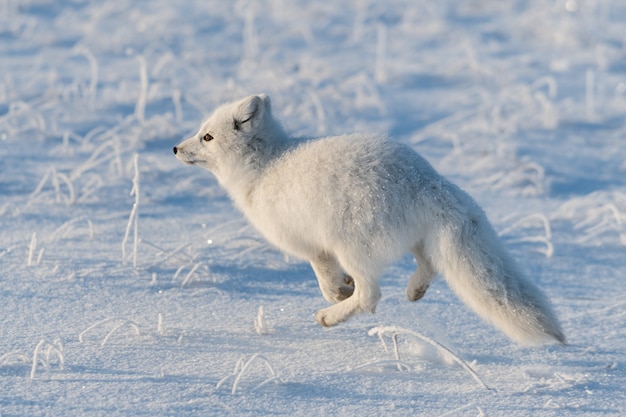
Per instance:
(251,109)
(267,104)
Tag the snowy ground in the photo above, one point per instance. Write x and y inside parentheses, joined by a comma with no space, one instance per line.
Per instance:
(177,308)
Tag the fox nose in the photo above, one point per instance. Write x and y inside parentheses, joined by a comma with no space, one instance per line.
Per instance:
(175,150)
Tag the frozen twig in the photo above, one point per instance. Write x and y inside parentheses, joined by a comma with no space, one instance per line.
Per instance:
(63,230)
(530,176)
(444,126)
(71,198)
(549,82)
(168,255)
(609,216)
(242,367)
(22,117)
(260,326)
(547,232)
(31,249)
(596,214)
(396,350)
(93,66)
(52,176)
(44,352)
(119,323)
(140,106)
(189,278)
(178,271)
(134,215)
(95,159)
(12,358)
(399,365)
(160,324)
(393,330)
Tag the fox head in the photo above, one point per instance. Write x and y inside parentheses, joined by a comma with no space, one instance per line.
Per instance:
(237,137)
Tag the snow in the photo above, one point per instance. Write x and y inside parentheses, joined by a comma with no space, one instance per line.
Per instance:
(165,302)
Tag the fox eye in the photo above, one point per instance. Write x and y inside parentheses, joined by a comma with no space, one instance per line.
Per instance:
(207,138)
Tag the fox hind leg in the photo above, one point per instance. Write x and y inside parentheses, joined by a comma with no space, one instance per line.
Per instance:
(422,277)
(335,284)
(365,297)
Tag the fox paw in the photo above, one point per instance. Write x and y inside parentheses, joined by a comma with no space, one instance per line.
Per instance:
(326,318)
(346,291)
(347,279)
(416,293)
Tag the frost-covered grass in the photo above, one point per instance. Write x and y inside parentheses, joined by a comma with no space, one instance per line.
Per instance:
(130,286)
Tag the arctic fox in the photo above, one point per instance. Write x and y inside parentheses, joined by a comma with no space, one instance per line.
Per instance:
(352,204)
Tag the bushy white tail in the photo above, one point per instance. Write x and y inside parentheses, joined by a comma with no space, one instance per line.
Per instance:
(470,256)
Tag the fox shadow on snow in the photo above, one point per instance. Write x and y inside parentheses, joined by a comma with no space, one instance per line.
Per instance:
(255,281)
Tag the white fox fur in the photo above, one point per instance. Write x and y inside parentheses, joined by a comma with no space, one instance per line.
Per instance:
(352,204)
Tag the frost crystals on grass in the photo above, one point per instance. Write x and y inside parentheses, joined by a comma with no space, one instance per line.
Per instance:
(393,332)
(596,216)
(134,215)
(119,323)
(140,106)
(160,330)
(13,358)
(31,249)
(260,325)
(524,224)
(193,277)
(242,368)
(45,353)
(56,178)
